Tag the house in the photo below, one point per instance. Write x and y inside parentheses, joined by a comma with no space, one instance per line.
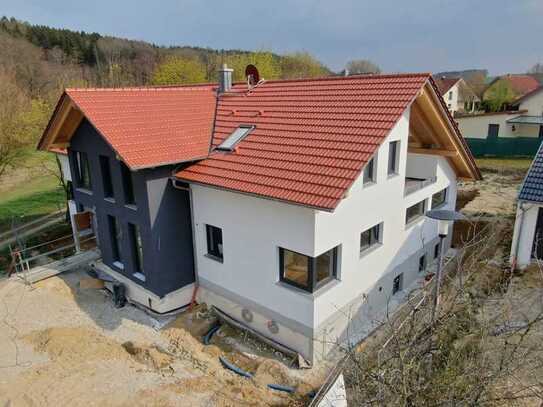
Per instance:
(458,95)
(527,243)
(288,205)
(514,132)
(511,86)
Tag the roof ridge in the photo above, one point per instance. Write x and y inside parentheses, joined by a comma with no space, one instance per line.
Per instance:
(196,86)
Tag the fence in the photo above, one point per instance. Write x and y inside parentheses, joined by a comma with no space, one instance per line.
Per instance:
(504,147)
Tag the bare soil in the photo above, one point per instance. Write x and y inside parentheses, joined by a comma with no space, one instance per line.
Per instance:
(62,345)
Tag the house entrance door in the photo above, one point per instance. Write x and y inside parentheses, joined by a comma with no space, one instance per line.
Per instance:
(537,248)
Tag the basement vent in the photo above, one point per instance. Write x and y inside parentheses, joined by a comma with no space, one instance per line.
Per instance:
(239,134)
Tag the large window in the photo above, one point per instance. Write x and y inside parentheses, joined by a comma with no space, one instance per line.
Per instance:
(369,172)
(393,155)
(439,198)
(137,247)
(116,236)
(105,168)
(83,170)
(370,237)
(307,273)
(128,185)
(414,212)
(214,242)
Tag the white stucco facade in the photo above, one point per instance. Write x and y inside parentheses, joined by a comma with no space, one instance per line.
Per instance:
(524,233)
(253,230)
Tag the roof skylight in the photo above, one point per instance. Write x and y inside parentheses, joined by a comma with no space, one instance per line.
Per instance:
(239,134)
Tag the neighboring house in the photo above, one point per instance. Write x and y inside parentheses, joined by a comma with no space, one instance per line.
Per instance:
(515,132)
(527,242)
(458,95)
(296,207)
(516,86)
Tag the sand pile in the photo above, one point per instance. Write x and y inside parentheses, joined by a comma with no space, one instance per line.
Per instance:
(152,356)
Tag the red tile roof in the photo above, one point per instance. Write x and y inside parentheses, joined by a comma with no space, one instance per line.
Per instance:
(522,84)
(312,137)
(150,127)
(444,84)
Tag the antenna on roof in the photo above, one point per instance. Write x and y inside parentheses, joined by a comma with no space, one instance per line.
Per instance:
(252,75)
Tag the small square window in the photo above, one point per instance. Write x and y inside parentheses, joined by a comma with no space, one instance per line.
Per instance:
(414,212)
(237,135)
(369,172)
(422,263)
(397,283)
(393,155)
(439,198)
(214,242)
(370,237)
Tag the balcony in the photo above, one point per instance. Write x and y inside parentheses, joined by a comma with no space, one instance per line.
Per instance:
(421,171)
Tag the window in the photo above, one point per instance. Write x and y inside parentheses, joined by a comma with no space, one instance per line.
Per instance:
(370,238)
(83,170)
(397,283)
(422,263)
(214,242)
(240,133)
(106,176)
(450,95)
(369,172)
(415,211)
(393,157)
(493,131)
(128,185)
(307,273)
(137,247)
(437,249)
(439,198)
(116,235)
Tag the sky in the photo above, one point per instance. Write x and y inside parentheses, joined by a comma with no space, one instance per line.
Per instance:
(400,36)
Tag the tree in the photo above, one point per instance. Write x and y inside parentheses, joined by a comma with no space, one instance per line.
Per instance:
(537,68)
(362,66)
(498,95)
(302,65)
(176,70)
(265,62)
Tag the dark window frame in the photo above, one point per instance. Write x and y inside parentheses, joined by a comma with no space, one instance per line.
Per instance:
(136,240)
(368,176)
(371,237)
(128,185)
(116,237)
(393,157)
(214,238)
(437,249)
(397,284)
(442,201)
(107,180)
(82,167)
(312,284)
(417,215)
(423,263)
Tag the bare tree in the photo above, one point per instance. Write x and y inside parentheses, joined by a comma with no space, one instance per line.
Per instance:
(537,68)
(362,66)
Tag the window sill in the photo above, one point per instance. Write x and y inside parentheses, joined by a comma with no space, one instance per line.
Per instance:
(110,200)
(368,184)
(84,191)
(392,175)
(131,206)
(414,221)
(118,265)
(218,259)
(370,249)
(318,292)
(139,276)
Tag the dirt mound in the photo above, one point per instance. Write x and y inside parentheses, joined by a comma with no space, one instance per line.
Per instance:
(56,285)
(75,345)
(151,356)
(274,372)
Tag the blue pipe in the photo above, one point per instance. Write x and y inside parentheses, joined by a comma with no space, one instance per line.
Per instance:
(234,368)
(207,337)
(279,387)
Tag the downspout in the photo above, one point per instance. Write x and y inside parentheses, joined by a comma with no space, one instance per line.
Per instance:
(193,230)
(519,235)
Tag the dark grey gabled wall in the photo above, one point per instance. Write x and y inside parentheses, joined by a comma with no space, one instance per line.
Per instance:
(162,214)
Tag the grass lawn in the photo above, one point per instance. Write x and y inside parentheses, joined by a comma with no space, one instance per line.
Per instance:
(29,191)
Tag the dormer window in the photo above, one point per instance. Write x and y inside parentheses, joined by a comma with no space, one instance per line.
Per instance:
(239,134)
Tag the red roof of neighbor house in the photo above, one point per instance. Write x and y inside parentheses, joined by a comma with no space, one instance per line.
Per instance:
(312,137)
(444,84)
(150,127)
(522,84)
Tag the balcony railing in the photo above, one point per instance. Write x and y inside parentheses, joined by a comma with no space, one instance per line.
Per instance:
(414,184)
